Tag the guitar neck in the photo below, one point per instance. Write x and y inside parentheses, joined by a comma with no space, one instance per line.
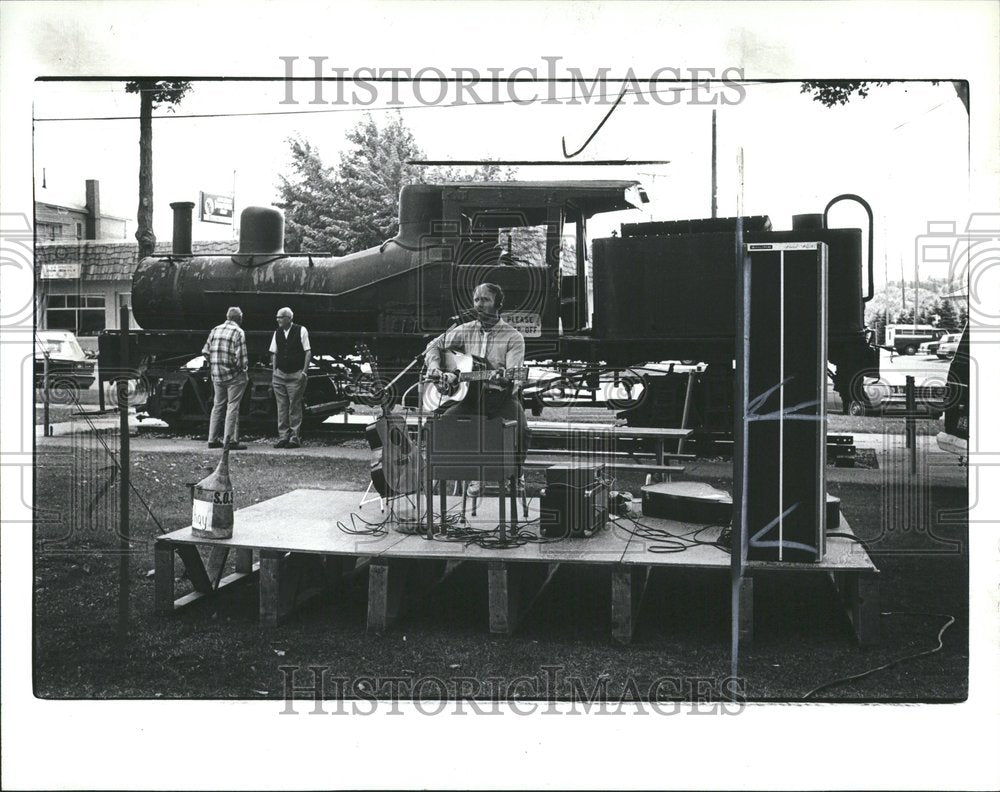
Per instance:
(485,374)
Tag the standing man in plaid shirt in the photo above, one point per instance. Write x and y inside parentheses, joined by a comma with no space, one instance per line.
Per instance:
(226,352)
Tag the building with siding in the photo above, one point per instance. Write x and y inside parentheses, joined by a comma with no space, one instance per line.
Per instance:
(84,262)
(82,283)
(64,221)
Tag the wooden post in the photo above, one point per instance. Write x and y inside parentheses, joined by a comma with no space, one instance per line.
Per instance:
(386,581)
(124,545)
(274,585)
(45,393)
(244,560)
(628,583)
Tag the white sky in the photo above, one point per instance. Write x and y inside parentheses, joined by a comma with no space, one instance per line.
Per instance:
(903,148)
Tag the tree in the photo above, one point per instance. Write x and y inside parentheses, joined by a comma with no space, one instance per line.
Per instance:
(308,199)
(356,205)
(369,179)
(152,93)
(947,316)
(840,92)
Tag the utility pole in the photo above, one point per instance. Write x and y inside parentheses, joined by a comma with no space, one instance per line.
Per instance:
(902,287)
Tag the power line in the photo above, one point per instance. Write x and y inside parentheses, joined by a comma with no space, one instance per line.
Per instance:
(264,113)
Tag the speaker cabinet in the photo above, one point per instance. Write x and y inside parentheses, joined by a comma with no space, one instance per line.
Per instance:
(783,445)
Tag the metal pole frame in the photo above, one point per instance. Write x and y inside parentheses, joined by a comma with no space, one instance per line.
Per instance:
(124,543)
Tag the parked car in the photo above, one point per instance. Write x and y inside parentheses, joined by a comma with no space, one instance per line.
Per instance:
(949,343)
(69,365)
(955,437)
(929,347)
(906,339)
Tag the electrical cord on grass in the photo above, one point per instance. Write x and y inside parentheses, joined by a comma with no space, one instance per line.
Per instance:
(898,660)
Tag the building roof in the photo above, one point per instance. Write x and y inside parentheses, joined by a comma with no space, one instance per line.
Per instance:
(102,260)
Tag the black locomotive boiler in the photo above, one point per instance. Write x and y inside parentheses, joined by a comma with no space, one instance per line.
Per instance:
(659,291)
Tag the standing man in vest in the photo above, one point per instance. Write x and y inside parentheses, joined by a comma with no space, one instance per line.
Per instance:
(226,352)
(290,356)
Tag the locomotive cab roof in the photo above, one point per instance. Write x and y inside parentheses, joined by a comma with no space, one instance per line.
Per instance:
(590,197)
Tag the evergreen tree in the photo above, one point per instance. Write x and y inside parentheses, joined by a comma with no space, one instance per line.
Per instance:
(947,316)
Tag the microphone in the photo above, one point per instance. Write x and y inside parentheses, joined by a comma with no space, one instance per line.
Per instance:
(462,316)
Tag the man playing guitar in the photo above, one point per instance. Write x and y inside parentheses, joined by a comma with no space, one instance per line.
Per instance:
(489,337)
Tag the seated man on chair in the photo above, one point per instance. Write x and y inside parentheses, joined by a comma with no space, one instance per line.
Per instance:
(489,337)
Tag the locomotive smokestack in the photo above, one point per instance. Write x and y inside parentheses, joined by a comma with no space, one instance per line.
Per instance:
(182,227)
(262,231)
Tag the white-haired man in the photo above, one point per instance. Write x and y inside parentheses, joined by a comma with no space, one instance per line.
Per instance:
(290,356)
(226,352)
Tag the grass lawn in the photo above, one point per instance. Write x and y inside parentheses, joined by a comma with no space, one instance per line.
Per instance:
(218,650)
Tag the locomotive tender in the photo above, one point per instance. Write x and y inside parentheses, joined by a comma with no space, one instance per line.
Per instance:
(661,290)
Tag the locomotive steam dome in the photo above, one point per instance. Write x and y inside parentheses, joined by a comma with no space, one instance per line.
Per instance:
(262,230)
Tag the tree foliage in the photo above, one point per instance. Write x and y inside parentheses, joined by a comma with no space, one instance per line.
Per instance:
(355,205)
(893,304)
(159,92)
(840,92)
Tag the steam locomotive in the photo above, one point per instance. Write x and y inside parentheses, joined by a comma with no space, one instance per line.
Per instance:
(659,291)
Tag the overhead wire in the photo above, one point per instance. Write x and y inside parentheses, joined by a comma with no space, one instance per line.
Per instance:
(264,113)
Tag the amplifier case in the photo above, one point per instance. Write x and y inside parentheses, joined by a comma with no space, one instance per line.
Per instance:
(472,448)
(573,511)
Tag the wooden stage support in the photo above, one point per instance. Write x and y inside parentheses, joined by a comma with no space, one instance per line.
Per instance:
(302,552)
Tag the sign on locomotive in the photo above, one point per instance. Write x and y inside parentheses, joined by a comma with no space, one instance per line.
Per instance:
(660,291)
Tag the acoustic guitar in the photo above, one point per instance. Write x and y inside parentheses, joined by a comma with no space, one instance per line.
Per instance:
(496,384)
(393,465)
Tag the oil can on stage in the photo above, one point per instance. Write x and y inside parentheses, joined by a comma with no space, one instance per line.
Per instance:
(212,503)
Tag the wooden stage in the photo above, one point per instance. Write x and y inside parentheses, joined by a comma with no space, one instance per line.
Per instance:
(301,551)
